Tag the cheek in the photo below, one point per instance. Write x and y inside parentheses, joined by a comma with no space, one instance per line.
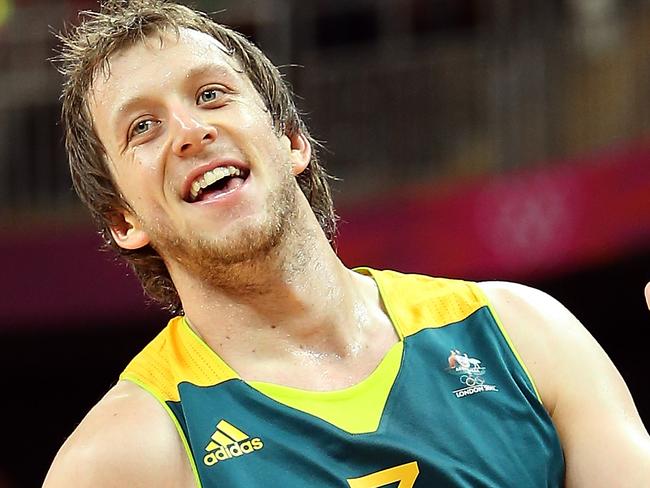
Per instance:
(253,118)
(148,157)
(140,175)
(261,144)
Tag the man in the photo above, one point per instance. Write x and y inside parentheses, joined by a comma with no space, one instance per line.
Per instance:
(284,367)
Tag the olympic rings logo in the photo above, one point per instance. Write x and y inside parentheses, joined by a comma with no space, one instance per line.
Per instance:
(470,380)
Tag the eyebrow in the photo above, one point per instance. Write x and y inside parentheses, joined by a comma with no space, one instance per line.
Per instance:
(221,71)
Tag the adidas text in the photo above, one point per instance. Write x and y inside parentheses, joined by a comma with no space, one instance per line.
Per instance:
(223,453)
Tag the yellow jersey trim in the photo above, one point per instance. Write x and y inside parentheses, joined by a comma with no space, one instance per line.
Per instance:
(427,303)
(357,409)
(177,355)
(511,345)
(423,302)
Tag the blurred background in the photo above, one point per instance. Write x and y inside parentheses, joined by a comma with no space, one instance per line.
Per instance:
(482,139)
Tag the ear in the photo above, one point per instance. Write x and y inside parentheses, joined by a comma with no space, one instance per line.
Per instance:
(126,230)
(300,152)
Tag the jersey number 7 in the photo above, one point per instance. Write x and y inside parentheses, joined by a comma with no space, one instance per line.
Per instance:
(404,473)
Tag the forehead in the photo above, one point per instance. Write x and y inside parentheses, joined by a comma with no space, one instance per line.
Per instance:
(168,43)
(159,58)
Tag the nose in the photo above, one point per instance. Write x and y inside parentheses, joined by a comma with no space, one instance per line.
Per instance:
(190,135)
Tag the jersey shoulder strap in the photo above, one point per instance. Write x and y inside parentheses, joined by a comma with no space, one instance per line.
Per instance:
(176,355)
(417,302)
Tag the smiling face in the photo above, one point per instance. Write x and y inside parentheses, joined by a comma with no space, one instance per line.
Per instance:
(194,152)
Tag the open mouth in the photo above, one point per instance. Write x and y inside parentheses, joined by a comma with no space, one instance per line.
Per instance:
(215,182)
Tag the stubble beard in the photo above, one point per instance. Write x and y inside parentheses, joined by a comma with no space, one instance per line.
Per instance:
(238,262)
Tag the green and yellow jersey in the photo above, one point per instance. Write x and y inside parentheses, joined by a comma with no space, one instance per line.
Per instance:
(450,405)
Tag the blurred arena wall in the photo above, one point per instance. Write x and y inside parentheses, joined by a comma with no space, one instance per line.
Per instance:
(479,139)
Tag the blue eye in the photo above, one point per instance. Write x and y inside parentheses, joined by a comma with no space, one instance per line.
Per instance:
(209,95)
(141,127)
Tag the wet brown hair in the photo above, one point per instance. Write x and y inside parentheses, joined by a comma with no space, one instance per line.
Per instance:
(86,50)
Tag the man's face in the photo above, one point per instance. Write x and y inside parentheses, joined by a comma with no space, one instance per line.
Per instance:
(174,115)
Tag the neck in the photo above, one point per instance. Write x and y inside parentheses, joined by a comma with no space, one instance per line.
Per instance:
(298,301)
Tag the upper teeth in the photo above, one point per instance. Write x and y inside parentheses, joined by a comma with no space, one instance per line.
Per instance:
(212,176)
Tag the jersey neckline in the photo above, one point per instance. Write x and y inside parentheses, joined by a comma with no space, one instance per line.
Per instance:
(384,367)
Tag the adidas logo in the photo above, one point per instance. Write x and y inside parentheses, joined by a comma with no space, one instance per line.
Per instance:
(228,442)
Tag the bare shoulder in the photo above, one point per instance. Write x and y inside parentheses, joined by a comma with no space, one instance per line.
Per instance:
(540,327)
(127,439)
(581,388)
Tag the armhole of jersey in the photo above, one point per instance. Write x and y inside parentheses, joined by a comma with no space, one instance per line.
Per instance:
(505,335)
(133,379)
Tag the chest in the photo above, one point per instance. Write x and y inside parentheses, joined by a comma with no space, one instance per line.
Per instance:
(458,412)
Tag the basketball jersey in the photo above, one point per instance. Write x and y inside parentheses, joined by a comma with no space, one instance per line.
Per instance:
(450,405)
